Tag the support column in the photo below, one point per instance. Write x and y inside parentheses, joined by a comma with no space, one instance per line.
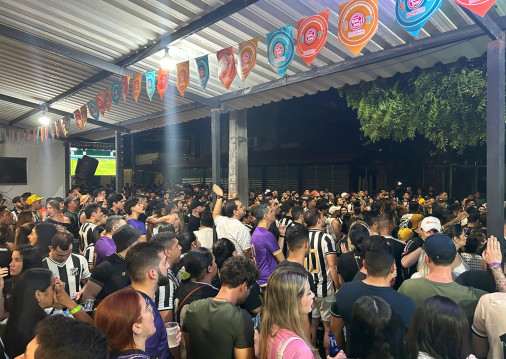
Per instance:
(215,147)
(238,156)
(119,162)
(495,138)
(67,169)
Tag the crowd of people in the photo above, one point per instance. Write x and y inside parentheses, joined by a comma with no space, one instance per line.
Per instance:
(395,274)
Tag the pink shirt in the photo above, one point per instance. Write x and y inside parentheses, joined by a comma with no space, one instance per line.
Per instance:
(295,349)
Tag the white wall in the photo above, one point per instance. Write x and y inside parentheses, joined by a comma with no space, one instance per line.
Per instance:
(45,167)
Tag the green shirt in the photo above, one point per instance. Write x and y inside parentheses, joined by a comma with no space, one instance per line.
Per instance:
(420,289)
(216,328)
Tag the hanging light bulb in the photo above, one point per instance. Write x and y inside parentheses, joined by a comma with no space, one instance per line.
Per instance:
(166,62)
(44,119)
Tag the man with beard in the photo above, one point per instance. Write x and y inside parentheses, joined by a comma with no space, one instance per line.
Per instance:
(147,266)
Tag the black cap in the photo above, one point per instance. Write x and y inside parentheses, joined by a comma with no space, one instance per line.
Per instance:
(124,236)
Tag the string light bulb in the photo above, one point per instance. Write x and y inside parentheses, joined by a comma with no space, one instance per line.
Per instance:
(44,119)
(166,62)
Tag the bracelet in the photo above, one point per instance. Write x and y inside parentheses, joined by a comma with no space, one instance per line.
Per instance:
(1,298)
(219,197)
(282,235)
(76,309)
(494,264)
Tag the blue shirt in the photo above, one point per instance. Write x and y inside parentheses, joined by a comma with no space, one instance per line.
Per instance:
(157,344)
(135,223)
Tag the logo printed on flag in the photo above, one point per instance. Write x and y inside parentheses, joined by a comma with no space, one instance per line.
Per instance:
(226,66)
(150,83)
(202,64)
(125,84)
(479,7)
(116,91)
(136,86)
(247,57)
(183,76)
(163,81)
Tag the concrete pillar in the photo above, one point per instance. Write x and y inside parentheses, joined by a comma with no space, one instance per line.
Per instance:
(238,156)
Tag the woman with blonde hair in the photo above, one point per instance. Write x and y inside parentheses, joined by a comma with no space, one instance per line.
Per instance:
(287,300)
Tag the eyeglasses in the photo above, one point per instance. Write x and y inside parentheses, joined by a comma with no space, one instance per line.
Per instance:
(148,307)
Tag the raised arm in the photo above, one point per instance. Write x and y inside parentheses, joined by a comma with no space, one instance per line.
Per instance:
(493,257)
(219,200)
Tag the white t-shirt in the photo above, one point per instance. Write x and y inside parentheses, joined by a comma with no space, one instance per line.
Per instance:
(205,237)
(235,231)
(490,322)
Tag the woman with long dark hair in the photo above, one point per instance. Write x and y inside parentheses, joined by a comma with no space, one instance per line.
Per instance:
(351,262)
(456,233)
(41,236)
(128,322)
(439,329)
(376,331)
(22,233)
(36,290)
(199,270)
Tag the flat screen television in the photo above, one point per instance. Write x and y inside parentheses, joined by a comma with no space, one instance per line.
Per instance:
(13,170)
(106,160)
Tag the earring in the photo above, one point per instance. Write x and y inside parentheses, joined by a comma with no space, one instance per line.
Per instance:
(38,300)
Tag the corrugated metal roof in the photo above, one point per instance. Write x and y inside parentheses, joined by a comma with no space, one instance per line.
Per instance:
(110,30)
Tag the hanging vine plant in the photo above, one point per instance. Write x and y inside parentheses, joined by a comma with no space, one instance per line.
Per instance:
(446,104)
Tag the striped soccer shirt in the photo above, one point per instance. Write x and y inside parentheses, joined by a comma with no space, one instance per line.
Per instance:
(320,245)
(86,233)
(70,272)
(164,296)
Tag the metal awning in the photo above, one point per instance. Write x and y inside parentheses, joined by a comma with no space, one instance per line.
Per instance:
(66,53)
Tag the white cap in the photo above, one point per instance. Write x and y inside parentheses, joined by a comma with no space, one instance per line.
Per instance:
(429,223)
(333,209)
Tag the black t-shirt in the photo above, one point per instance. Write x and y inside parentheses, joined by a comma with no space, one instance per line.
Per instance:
(398,249)
(193,223)
(253,301)
(411,245)
(197,290)
(360,276)
(111,275)
(479,279)
(348,265)
(342,307)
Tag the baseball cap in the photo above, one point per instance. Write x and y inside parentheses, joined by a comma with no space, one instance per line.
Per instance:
(196,203)
(124,236)
(70,198)
(415,219)
(33,198)
(333,209)
(344,194)
(405,234)
(429,223)
(440,246)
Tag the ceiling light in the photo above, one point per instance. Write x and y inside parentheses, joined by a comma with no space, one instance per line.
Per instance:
(44,119)
(166,62)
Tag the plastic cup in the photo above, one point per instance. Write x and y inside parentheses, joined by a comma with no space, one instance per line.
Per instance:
(88,305)
(172,330)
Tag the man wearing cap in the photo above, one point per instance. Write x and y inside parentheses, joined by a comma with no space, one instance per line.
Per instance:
(34,203)
(110,275)
(413,248)
(18,207)
(196,208)
(440,251)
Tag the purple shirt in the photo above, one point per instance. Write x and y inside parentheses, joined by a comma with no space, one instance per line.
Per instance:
(264,247)
(103,248)
(135,223)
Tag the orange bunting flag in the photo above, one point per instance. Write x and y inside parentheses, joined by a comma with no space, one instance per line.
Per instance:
(34,135)
(183,76)
(226,66)
(41,133)
(84,114)
(58,126)
(479,7)
(163,81)
(358,22)
(247,57)
(79,120)
(108,99)
(312,36)
(22,134)
(125,84)
(136,86)
(46,132)
(99,102)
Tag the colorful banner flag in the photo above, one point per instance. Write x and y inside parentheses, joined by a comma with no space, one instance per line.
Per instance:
(99,102)
(358,22)
(280,49)
(79,120)
(84,115)
(34,135)
(93,109)
(411,15)
(183,76)
(312,36)
(202,64)
(226,66)
(247,57)
(108,98)
(116,91)
(163,81)
(22,134)
(58,126)
(479,7)
(15,133)
(136,86)
(52,130)
(46,132)
(125,84)
(66,126)
(150,83)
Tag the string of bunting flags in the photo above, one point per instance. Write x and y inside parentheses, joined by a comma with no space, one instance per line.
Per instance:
(358,23)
